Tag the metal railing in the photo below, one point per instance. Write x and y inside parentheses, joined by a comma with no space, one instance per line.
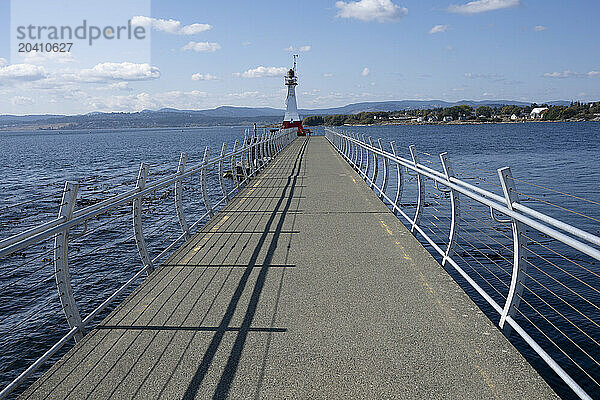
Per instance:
(537,275)
(104,226)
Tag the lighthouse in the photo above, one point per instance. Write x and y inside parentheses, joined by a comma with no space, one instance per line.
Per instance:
(291,118)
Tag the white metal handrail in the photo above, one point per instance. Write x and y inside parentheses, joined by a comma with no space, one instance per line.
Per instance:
(351,147)
(256,151)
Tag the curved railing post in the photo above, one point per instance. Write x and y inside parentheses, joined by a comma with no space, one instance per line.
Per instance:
(234,170)
(360,166)
(268,146)
(140,241)
(519,266)
(264,149)
(61,261)
(375,165)
(205,198)
(244,159)
(252,156)
(455,208)
(386,166)
(220,167)
(179,197)
(356,150)
(259,152)
(345,147)
(350,149)
(367,159)
(420,189)
(399,181)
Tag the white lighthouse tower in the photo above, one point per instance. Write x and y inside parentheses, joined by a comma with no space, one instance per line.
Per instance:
(291,118)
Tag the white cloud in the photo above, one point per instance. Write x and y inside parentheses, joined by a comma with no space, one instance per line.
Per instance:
(438,29)
(124,71)
(479,6)
(490,76)
(21,101)
(261,72)
(204,47)
(539,28)
(246,43)
(568,74)
(565,74)
(366,71)
(371,10)
(327,75)
(243,95)
(22,73)
(204,77)
(3,62)
(170,26)
(449,48)
(119,86)
(301,48)
(141,101)
(36,57)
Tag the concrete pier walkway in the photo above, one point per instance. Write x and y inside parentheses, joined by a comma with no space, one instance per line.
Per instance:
(304,286)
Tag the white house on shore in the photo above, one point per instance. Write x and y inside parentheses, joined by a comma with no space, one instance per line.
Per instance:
(538,112)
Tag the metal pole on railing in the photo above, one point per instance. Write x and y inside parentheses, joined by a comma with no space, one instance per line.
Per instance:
(375,165)
(260,155)
(367,159)
(233,163)
(205,198)
(140,241)
(455,207)
(519,266)
(420,189)
(356,150)
(360,166)
(220,169)
(179,197)
(399,180)
(61,261)
(243,160)
(386,166)
(251,156)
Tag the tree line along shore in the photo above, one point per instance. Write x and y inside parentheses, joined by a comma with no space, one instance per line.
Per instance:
(576,111)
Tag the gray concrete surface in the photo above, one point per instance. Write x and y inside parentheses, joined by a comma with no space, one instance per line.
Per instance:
(305,286)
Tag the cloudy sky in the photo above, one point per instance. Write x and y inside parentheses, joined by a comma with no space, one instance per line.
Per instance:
(203,54)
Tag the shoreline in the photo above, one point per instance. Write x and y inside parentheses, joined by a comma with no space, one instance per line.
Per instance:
(46,128)
(404,123)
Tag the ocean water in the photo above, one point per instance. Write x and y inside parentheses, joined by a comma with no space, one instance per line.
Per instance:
(556,166)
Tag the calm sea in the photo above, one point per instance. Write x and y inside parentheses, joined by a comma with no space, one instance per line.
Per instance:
(564,157)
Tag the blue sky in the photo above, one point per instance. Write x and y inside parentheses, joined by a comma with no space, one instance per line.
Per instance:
(225,52)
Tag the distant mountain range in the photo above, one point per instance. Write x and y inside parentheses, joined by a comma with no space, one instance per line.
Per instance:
(225,115)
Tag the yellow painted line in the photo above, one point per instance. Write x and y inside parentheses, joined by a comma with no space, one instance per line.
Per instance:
(208,235)
(488,381)
(397,243)
(387,228)
(257,182)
